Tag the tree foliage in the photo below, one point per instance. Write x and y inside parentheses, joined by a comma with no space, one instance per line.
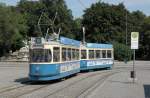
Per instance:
(12,29)
(122,52)
(107,23)
(104,23)
(33,9)
(145,37)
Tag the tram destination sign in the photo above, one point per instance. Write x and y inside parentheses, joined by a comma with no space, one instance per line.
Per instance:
(134,40)
(37,42)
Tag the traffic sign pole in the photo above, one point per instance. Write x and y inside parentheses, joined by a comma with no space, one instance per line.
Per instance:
(134,72)
(134,45)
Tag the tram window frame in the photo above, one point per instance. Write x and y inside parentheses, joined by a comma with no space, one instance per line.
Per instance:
(73,54)
(77,54)
(50,55)
(104,55)
(40,55)
(91,55)
(83,54)
(56,53)
(63,54)
(109,53)
(68,54)
(96,54)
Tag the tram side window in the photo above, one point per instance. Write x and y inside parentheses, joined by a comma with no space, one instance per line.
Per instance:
(73,54)
(103,53)
(40,55)
(77,54)
(48,55)
(63,54)
(91,54)
(83,54)
(108,53)
(56,54)
(98,53)
(69,54)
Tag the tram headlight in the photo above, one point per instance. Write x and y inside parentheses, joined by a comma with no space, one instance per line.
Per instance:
(37,68)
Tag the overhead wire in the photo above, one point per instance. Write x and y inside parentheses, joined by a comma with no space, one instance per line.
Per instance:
(82,4)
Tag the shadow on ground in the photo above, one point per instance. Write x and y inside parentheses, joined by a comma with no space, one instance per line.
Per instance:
(147,91)
(93,70)
(22,80)
(27,81)
(122,82)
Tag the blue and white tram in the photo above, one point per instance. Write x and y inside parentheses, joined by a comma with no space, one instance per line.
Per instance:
(94,56)
(50,60)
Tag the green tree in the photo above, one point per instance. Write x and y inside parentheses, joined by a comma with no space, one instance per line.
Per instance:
(122,52)
(145,37)
(12,29)
(33,9)
(77,29)
(105,22)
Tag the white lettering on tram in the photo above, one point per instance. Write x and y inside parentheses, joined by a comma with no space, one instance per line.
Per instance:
(69,67)
(99,62)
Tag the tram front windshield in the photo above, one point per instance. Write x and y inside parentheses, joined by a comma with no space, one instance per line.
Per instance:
(40,55)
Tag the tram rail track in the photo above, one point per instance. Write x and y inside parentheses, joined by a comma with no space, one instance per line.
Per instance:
(14,86)
(28,89)
(62,87)
(25,89)
(95,85)
(74,83)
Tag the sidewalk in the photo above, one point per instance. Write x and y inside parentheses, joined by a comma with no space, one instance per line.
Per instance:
(120,86)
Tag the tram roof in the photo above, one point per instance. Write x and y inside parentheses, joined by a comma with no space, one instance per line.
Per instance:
(68,41)
(96,45)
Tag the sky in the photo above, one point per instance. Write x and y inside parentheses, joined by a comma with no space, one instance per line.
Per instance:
(78,6)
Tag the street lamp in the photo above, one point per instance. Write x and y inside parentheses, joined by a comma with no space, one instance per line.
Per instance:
(126,28)
(83,28)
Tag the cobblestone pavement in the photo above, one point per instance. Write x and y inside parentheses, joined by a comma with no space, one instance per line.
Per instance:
(114,83)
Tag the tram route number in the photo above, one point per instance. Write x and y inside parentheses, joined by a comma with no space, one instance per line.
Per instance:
(69,67)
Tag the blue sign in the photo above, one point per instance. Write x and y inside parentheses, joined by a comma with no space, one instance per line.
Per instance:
(68,41)
(96,45)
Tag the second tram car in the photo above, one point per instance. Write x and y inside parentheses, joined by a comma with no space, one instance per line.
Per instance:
(94,56)
(50,60)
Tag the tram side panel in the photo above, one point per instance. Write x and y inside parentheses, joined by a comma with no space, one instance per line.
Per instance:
(41,72)
(95,64)
(69,68)
(97,58)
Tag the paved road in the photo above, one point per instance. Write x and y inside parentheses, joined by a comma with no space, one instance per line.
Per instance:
(12,73)
(114,83)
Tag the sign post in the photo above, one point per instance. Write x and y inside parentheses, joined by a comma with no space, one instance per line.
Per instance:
(134,46)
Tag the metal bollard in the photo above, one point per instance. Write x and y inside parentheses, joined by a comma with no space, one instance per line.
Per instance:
(132,74)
